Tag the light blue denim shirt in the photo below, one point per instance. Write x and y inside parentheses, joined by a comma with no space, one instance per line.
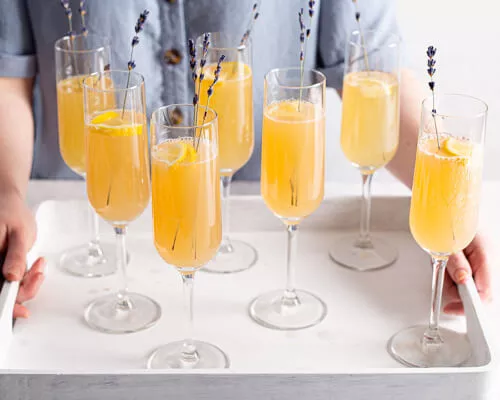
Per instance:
(29,29)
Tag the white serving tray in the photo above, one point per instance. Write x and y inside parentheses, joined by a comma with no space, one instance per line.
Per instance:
(54,355)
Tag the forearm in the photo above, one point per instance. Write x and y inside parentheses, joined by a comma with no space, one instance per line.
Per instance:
(412,94)
(16,134)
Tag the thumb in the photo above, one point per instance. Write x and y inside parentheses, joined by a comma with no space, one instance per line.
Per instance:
(15,258)
(459,268)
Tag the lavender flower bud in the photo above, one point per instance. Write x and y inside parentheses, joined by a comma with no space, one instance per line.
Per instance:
(431,51)
(135,41)
(131,65)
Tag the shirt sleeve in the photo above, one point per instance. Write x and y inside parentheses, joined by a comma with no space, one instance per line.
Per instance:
(17,50)
(337,21)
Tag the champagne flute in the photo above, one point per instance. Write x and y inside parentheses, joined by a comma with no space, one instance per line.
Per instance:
(186,215)
(443,216)
(292,185)
(369,135)
(76,57)
(232,100)
(118,185)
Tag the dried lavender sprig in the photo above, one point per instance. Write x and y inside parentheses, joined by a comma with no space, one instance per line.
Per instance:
(431,63)
(69,14)
(135,41)
(254,17)
(302,38)
(201,76)
(194,77)
(210,92)
(305,33)
(312,3)
(361,36)
(83,12)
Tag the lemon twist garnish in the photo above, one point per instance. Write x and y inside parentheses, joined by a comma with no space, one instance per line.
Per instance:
(105,117)
(176,153)
(454,147)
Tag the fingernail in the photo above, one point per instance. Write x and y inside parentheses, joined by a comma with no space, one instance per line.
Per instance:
(461,276)
(43,266)
(11,276)
(454,308)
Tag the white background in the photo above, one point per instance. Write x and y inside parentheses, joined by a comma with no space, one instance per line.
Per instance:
(467,36)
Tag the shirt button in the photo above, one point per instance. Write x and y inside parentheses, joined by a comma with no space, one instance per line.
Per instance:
(176,116)
(172,56)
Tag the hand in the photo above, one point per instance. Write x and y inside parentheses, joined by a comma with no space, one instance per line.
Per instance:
(29,288)
(473,261)
(17,235)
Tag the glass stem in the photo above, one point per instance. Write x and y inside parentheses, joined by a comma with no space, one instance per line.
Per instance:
(94,242)
(290,297)
(364,240)
(189,353)
(121,260)
(225,246)
(431,336)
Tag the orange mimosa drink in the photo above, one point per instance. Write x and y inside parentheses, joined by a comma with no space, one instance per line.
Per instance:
(118,165)
(370,118)
(293,158)
(446,191)
(71,125)
(186,202)
(232,100)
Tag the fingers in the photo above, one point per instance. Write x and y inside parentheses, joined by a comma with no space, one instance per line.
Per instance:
(455,308)
(459,268)
(21,311)
(32,282)
(458,271)
(477,254)
(450,290)
(15,258)
(451,298)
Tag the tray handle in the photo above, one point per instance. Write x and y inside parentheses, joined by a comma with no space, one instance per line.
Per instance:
(477,324)
(8,294)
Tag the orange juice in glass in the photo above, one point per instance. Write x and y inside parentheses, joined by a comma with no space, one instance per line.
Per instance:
(293,158)
(118,186)
(75,58)
(70,116)
(292,184)
(370,118)
(187,222)
(232,100)
(118,166)
(446,189)
(369,135)
(443,216)
(186,202)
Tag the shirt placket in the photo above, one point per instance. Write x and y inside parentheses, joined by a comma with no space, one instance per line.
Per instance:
(173,54)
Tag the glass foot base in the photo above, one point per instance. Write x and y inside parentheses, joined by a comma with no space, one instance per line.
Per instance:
(270,310)
(238,257)
(79,261)
(109,314)
(406,347)
(170,356)
(347,253)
